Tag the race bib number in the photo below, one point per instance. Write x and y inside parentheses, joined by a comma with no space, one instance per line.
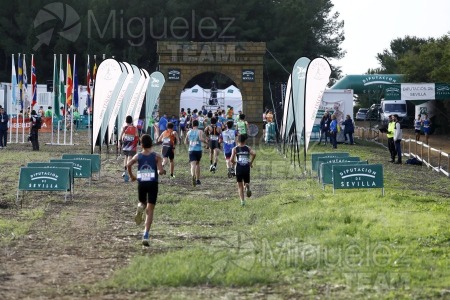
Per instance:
(128,138)
(166,140)
(214,138)
(146,175)
(243,160)
(193,143)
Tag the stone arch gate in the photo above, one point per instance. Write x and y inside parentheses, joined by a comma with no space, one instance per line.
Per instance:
(242,62)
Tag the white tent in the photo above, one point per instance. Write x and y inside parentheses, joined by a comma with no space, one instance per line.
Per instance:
(196,97)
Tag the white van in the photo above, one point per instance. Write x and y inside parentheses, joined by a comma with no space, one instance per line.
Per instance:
(393,107)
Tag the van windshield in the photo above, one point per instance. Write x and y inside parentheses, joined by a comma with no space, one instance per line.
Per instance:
(395,108)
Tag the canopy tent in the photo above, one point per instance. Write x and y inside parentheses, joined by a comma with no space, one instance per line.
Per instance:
(196,97)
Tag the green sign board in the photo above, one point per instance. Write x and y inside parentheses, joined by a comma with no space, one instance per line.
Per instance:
(358,176)
(322,160)
(394,91)
(81,168)
(315,156)
(44,179)
(326,170)
(68,165)
(95,158)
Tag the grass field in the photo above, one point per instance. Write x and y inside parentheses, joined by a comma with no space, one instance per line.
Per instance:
(292,240)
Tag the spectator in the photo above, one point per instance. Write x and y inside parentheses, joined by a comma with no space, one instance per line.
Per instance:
(349,128)
(3,127)
(41,111)
(324,127)
(163,123)
(333,131)
(398,139)
(48,113)
(34,129)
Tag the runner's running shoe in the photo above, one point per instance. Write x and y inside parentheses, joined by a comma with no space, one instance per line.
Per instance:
(139,216)
(248,191)
(145,239)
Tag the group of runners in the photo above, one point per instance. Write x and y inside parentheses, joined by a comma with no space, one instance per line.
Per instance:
(211,134)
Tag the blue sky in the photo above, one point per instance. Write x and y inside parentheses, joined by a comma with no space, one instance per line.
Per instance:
(370,26)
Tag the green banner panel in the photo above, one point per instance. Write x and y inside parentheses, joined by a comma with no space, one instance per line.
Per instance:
(326,171)
(315,156)
(44,179)
(95,158)
(322,160)
(81,168)
(355,176)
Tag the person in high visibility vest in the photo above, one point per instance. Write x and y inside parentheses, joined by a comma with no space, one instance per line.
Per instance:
(390,136)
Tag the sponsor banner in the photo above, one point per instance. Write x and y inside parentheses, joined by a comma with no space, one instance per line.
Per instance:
(154,88)
(326,169)
(298,94)
(18,123)
(44,179)
(120,97)
(135,97)
(316,156)
(317,78)
(113,102)
(248,75)
(138,108)
(174,75)
(354,176)
(108,74)
(287,110)
(128,97)
(322,160)
(417,91)
(442,91)
(392,92)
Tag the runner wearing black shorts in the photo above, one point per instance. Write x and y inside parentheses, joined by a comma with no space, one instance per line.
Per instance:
(213,133)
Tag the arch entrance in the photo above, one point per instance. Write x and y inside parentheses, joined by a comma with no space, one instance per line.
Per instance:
(242,63)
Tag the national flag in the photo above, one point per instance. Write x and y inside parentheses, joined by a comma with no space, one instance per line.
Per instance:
(56,87)
(69,83)
(33,82)
(13,82)
(75,82)
(88,85)
(62,88)
(20,77)
(25,82)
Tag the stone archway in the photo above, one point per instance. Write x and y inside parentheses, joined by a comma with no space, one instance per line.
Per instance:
(241,62)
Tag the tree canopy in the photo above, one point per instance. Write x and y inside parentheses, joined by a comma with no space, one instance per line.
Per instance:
(129,30)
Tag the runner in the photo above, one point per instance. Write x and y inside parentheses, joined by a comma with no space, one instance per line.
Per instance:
(213,132)
(129,139)
(228,137)
(169,139)
(182,125)
(195,137)
(242,126)
(147,177)
(243,156)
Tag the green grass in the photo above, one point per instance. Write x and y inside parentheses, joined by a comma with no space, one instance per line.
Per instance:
(293,237)
(295,234)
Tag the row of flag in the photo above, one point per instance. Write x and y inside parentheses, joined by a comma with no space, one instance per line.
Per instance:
(65,89)
(20,81)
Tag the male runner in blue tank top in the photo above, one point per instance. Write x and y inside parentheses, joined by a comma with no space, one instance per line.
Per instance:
(195,137)
(149,166)
(243,156)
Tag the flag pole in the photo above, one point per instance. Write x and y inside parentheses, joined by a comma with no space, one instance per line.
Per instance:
(73,100)
(53,95)
(23,101)
(65,102)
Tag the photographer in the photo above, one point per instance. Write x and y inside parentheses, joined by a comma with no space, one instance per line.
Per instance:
(35,125)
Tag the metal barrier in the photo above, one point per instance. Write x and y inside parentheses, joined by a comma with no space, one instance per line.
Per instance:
(433,158)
